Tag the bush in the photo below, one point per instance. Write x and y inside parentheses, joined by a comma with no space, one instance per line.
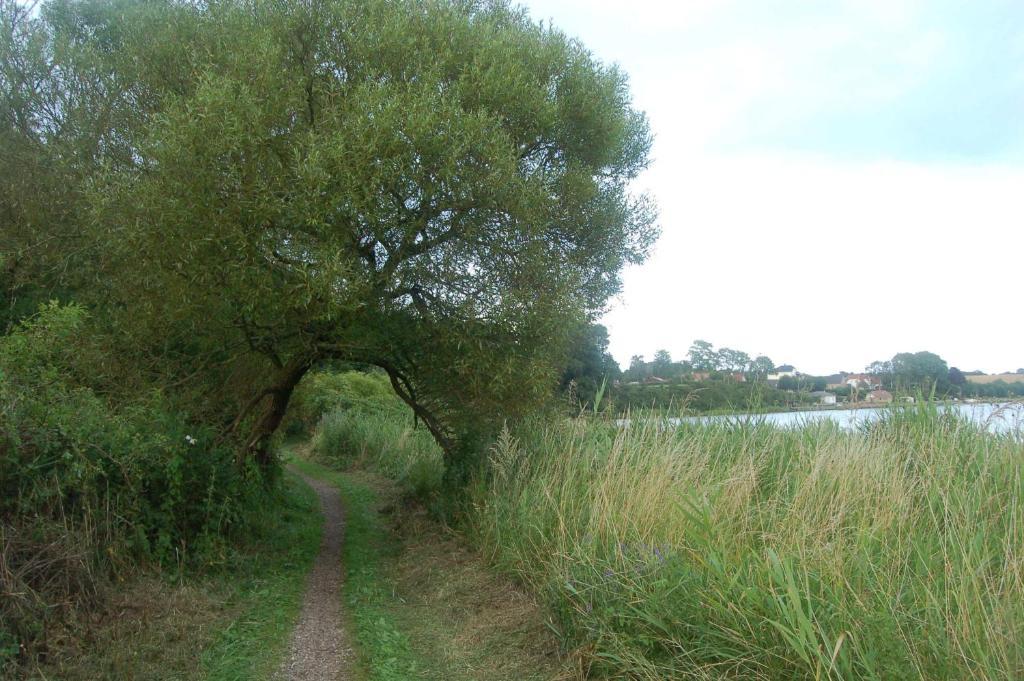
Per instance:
(88,489)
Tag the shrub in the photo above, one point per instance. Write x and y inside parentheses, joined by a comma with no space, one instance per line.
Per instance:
(327,390)
(88,489)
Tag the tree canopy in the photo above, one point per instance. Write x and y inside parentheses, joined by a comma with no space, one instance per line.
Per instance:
(702,356)
(922,371)
(589,364)
(247,187)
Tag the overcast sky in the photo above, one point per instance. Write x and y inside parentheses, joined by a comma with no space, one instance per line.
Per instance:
(838,181)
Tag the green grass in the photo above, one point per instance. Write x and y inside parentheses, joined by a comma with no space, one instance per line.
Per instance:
(423,605)
(383,439)
(742,550)
(271,582)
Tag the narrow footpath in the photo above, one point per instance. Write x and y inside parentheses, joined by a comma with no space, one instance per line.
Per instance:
(320,648)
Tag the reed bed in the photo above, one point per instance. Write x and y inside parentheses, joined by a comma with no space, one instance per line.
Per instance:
(747,551)
(384,438)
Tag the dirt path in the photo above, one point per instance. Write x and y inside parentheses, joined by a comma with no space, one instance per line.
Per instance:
(320,647)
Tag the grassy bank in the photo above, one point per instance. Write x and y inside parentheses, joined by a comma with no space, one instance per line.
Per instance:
(230,622)
(99,491)
(747,551)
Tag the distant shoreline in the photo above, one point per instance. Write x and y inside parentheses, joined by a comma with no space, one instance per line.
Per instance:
(824,407)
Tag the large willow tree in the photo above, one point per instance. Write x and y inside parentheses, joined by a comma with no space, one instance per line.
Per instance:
(242,189)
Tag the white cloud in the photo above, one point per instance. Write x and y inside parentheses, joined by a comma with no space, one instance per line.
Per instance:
(818,258)
(830,266)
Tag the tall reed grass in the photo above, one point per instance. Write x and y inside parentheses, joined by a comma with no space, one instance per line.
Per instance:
(746,551)
(384,438)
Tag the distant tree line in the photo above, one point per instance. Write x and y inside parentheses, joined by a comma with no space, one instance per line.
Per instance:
(702,357)
(703,396)
(927,373)
(707,378)
(592,376)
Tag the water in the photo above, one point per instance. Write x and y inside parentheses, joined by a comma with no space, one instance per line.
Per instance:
(998,418)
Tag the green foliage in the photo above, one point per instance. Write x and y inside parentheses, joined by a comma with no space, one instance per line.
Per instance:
(440,189)
(922,371)
(733,360)
(916,372)
(589,366)
(995,389)
(703,356)
(789,383)
(662,367)
(224,624)
(771,553)
(720,394)
(761,366)
(327,390)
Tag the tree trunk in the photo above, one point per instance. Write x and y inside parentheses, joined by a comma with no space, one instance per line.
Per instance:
(280,392)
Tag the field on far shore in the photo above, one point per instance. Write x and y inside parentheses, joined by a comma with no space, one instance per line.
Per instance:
(992,378)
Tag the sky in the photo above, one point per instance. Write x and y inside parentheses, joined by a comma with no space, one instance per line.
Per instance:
(837,180)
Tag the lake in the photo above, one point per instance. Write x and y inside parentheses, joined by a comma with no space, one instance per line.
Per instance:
(999,418)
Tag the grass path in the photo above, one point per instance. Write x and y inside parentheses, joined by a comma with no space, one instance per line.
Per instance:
(423,605)
(415,601)
(320,648)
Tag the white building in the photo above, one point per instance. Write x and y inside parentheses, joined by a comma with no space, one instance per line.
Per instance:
(784,370)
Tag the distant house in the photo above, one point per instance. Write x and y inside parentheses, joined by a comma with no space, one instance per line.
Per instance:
(879,396)
(654,380)
(835,381)
(738,376)
(863,381)
(824,397)
(700,375)
(782,371)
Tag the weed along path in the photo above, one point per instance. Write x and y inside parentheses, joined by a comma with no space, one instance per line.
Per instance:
(320,647)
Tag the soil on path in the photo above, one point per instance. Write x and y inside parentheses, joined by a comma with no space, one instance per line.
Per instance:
(320,647)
